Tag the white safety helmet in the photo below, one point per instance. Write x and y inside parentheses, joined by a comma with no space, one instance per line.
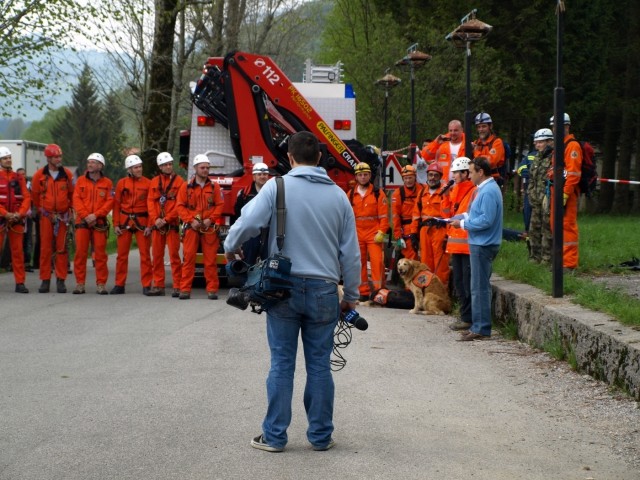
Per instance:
(567,120)
(4,152)
(483,117)
(260,168)
(459,164)
(543,134)
(97,157)
(132,161)
(201,158)
(164,157)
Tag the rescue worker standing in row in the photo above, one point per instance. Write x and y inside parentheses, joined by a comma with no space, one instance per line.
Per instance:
(130,217)
(163,217)
(52,196)
(15,204)
(403,200)
(489,145)
(431,235)
(92,201)
(570,196)
(370,209)
(200,204)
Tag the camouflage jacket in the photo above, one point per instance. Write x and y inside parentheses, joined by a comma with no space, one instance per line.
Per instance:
(538,175)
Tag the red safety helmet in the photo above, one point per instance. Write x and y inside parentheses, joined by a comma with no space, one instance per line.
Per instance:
(435,167)
(52,150)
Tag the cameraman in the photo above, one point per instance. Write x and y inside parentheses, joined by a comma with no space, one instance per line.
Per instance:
(322,245)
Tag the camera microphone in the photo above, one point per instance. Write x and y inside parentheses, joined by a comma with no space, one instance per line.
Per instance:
(353,318)
(447,187)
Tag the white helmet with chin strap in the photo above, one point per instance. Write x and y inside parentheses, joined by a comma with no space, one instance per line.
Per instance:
(132,161)
(164,157)
(201,158)
(459,164)
(4,152)
(97,157)
(543,134)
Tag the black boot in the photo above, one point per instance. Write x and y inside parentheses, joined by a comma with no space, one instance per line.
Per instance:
(20,288)
(117,290)
(44,286)
(60,286)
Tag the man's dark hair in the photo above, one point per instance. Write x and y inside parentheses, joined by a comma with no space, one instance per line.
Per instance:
(304,148)
(482,163)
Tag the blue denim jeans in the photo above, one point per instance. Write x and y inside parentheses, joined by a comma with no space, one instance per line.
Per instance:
(481,257)
(312,311)
(462,284)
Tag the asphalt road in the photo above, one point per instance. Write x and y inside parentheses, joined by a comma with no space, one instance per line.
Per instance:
(131,387)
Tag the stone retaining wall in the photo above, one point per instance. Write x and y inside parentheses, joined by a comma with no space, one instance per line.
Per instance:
(603,347)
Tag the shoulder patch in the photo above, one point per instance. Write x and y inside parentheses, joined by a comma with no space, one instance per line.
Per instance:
(574,154)
(443,155)
(492,151)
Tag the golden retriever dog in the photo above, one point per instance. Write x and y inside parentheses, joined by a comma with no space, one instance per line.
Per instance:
(430,295)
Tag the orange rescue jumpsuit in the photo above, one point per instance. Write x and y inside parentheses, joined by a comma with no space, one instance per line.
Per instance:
(493,149)
(371,217)
(163,193)
(573,172)
(456,203)
(444,157)
(202,202)
(92,197)
(433,238)
(402,214)
(14,198)
(53,199)
(131,215)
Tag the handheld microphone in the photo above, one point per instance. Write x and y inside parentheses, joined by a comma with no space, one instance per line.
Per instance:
(352,317)
(447,187)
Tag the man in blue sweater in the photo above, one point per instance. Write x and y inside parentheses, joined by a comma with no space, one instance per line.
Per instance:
(322,244)
(483,222)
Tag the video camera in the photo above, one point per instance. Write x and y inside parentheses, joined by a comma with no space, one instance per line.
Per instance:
(268,282)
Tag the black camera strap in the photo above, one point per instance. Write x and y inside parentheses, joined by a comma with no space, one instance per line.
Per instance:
(281,211)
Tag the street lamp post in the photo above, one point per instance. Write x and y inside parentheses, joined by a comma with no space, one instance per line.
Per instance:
(387,83)
(413,59)
(470,30)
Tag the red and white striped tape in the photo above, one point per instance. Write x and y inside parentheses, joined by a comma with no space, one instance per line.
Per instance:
(612,180)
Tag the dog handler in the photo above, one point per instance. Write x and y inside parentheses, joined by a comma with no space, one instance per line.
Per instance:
(322,246)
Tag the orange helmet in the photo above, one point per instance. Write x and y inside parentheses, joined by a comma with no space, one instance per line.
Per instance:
(52,150)
(435,167)
(408,170)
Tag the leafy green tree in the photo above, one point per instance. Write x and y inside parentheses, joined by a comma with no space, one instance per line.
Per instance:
(30,34)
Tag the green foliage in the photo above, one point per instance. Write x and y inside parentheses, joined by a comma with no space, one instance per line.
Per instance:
(30,33)
(554,345)
(597,234)
(513,72)
(509,328)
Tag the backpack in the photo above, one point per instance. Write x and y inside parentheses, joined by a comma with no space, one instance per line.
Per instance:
(588,172)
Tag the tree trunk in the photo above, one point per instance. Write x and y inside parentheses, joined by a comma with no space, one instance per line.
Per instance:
(157,118)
